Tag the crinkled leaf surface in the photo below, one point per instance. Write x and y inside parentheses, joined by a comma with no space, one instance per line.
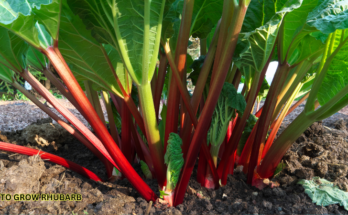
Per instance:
(121,24)
(174,159)
(324,193)
(86,56)
(329,15)
(229,102)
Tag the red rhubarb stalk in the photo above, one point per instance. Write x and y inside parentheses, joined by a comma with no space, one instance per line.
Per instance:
(185,97)
(93,118)
(66,114)
(180,62)
(50,157)
(245,156)
(215,89)
(230,152)
(142,151)
(266,116)
(199,88)
(67,127)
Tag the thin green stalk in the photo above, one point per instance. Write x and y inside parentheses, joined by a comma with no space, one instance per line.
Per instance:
(113,130)
(152,132)
(93,97)
(231,74)
(328,105)
(334,109)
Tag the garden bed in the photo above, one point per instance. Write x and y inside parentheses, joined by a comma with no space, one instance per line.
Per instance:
(320,151)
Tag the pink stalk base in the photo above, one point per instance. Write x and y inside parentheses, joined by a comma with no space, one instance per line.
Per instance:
(52,158)
(209,183)
(169,198)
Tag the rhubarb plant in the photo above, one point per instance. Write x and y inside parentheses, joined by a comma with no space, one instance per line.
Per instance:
(126,51)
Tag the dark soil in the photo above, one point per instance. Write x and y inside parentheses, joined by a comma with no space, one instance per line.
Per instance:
(320,151)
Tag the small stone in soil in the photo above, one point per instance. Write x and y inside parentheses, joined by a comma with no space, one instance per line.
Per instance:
(267,204)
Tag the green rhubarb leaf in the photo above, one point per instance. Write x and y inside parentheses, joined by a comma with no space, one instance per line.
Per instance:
(88,58)
(279,168)
(36,59)
(145,169)
(229,102)
(294,23)
(256,45)
(6,74)
(308,47)
(122,25)
(174,160)
(12,50)
(49,16)
(196,67)
(162,194)
(171,22)
(258,13)
(205,15)
(19,17)
(263,90)
(320,36)
(329,15)
(324,193)
(210,36)
(336,77)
